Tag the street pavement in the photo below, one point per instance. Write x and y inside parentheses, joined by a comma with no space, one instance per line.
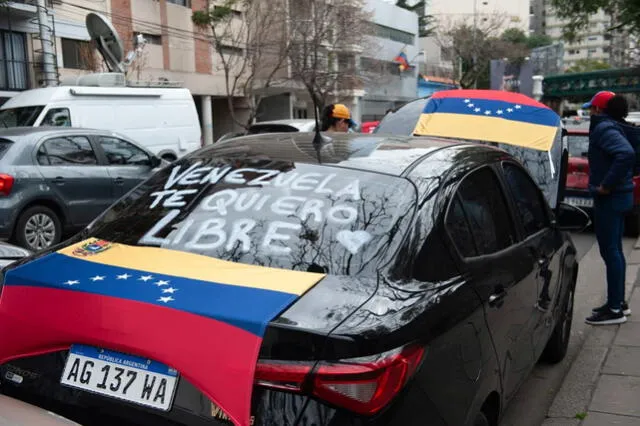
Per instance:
(603,386)
(550,390)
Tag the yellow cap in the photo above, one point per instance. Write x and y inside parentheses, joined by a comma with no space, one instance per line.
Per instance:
(341,111)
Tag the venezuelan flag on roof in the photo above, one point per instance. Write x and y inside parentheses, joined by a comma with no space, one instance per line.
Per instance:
(490,115)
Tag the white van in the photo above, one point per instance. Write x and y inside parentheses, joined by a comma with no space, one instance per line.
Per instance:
(164,120)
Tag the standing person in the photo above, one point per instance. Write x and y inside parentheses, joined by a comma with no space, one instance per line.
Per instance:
(612,160)
(337,118)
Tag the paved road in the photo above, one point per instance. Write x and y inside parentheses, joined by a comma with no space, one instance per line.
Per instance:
(531,404)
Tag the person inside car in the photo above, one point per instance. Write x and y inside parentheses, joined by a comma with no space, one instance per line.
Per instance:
(337,118)
(612,160)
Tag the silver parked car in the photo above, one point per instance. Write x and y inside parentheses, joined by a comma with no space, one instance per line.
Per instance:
(18,413)
(57,180)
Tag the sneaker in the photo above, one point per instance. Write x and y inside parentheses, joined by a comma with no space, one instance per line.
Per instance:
(607,317)
(605,307)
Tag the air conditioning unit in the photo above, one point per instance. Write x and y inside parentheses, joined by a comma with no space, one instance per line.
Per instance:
(104,79)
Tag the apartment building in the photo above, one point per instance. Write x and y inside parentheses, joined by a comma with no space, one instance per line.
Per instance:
(513,13)
(593,42)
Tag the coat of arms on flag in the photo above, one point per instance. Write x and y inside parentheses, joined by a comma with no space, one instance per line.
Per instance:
(92,247)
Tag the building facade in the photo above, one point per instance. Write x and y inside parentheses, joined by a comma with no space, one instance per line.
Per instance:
(594,42)
(513,13)
(386,85)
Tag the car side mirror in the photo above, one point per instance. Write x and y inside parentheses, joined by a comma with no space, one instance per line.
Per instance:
(155,162)
(571,218)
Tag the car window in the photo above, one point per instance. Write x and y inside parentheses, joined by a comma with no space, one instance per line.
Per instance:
(527,198)
(266,212)
(20,117)
(402,121)
(578,145)
(120,152)
(458,225)
(67,151)
(485,210)
(59,117)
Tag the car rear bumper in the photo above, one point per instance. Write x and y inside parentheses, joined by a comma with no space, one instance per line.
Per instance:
(36,380)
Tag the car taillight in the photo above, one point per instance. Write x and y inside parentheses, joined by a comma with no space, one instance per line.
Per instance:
(6,183)
(362,385)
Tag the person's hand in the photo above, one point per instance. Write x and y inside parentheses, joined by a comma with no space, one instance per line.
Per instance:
(603,191)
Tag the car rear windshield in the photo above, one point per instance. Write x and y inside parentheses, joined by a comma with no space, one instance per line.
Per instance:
(578,145)
(20,117)
(271,128)
(403,121)
(269,213)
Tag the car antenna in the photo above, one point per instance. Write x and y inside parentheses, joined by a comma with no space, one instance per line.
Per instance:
(318,139)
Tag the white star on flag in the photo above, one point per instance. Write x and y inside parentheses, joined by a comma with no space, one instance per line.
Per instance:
(478,109)
(72,282)
(97,278)
(509,109)
(470,105)
(487,112)
(499,112)
(166,299)
(160,283)
(124,277)
(466,101)
(169,290)
(146,278)
(518,107)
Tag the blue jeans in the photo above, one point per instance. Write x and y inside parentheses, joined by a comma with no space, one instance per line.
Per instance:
(609,213)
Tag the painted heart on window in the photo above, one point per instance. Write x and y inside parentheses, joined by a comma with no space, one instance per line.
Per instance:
(353,240)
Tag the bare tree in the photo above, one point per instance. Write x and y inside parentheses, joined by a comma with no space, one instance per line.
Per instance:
(252,47)
(472,48)
(327,37)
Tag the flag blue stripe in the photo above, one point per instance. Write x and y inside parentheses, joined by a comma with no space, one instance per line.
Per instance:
(509,110)
(245,307)
(123,359)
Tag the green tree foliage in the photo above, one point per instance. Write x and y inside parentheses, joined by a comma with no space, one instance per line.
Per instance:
(426,23)
(626,14)
(586,65)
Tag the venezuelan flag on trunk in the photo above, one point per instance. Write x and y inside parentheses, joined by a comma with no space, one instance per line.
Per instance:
(489,115)
(204,317)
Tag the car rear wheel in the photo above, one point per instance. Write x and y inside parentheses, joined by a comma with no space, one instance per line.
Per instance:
(37,228)
(632,225)
(558,343)
(481,420)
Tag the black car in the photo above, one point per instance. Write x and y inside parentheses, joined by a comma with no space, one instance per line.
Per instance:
(443,277)
(55,180)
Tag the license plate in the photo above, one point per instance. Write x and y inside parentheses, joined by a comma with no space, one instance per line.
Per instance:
(125,377)
(579,202)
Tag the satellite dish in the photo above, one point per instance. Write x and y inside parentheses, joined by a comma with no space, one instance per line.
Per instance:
(107,40)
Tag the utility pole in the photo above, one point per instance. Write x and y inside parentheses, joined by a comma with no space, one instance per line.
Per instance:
(48,56)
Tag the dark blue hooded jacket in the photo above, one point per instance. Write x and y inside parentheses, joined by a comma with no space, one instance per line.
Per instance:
(612,157)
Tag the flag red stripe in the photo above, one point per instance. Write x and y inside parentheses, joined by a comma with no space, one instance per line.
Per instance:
(494,95)
(217,358)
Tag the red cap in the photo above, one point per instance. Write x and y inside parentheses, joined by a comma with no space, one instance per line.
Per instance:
(600,100)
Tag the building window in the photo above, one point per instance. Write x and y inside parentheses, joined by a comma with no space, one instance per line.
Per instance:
(593,50)
(231,50)
(14,74)
(393,34)
(593,38)
(77,54)
(151,38)
(235,13)
(300,113)
(185,3)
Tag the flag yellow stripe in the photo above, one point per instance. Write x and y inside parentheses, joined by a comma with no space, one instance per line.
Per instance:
(491,129)
(154,260)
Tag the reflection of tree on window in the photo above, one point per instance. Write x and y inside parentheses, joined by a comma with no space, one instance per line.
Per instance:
(527,198)
(71,150)
(123,153)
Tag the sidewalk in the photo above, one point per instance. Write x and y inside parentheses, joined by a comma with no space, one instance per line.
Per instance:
(602,387)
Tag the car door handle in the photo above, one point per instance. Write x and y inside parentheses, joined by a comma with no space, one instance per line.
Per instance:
(58,180)
(119,181)
(496,298)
